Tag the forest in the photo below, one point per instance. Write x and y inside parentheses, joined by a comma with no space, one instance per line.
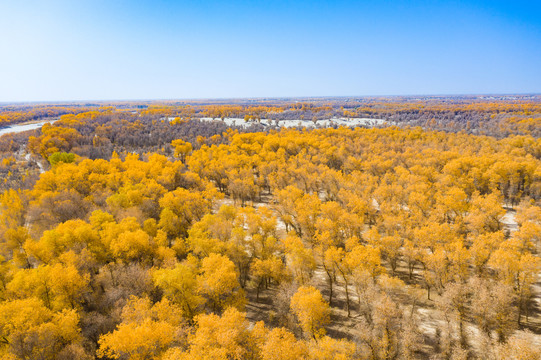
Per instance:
(155,230)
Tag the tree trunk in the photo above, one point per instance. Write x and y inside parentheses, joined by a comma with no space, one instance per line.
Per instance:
(329,275)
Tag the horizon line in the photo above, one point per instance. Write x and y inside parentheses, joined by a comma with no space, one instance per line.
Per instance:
(304,97)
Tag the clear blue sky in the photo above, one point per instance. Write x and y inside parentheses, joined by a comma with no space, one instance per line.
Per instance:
(116,49)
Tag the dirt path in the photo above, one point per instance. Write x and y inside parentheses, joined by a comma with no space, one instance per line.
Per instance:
(509,221)
(28,157)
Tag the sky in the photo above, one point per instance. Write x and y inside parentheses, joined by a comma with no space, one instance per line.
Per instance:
(132,50)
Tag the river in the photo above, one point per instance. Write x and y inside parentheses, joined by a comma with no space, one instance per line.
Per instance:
(23,127)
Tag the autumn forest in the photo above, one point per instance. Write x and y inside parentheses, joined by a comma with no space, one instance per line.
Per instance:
(372,228)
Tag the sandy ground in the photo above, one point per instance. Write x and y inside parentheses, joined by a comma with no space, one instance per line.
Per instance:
(303,123)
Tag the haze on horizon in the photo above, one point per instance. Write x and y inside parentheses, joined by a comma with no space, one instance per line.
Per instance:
(104,50)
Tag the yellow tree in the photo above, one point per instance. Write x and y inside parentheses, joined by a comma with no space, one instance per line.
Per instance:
(518,270)
(14,246)
(300,260)
(182,207)
(281,344)
(58,286)
(335,259)
(179,284)
(364,263)
(182,149)
(266,270)
(146,331)
(390,248)
(528,235)
(311,310)
(485,214)
(73,235)
(482,247)
(218,282)
(29,330)
(225,337)
(327,348)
